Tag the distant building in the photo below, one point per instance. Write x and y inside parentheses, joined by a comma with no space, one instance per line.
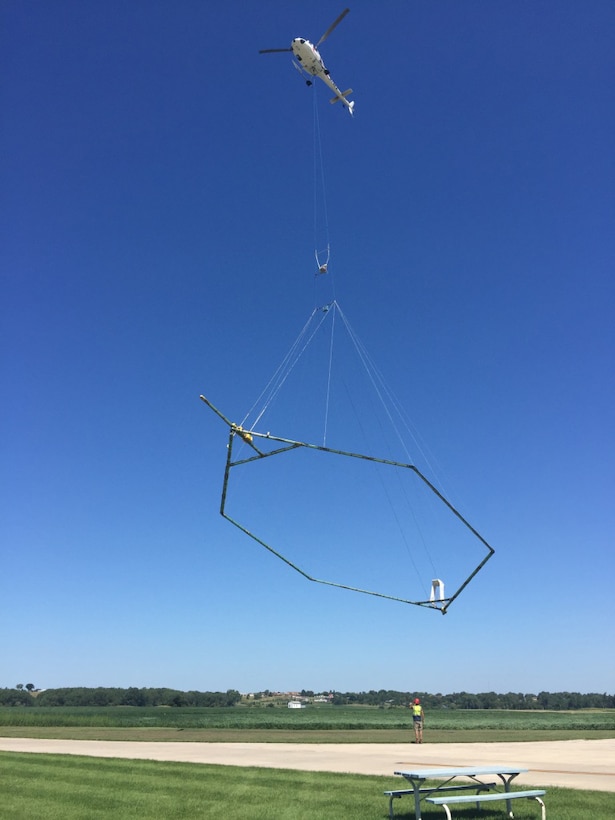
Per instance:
(295,704)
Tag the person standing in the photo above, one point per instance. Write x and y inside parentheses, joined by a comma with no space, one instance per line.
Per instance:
(418,716)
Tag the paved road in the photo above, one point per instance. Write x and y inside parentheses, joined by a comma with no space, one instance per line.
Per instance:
(576,764)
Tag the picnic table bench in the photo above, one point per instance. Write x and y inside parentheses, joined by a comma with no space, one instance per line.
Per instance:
(417,778)
(535,794)
(392,794)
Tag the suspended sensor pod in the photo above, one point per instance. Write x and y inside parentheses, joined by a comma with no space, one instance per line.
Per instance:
(322,260)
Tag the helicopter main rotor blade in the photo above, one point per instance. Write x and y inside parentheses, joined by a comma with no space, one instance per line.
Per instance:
(332,26)
(273,50)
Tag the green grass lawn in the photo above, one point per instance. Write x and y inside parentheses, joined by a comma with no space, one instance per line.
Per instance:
(65,787)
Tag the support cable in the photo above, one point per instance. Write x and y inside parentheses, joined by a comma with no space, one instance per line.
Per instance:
(389,404)
(276,382)
(322,243)
(328,396)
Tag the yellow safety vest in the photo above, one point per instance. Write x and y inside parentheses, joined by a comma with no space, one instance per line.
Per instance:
(417,709)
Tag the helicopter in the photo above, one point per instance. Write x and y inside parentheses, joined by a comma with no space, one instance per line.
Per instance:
(310,61)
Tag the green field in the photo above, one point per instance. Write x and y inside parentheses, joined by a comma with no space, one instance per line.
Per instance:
(58,787)
(315,724)
(65,787)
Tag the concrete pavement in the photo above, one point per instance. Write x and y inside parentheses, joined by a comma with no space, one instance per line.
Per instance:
(575,764)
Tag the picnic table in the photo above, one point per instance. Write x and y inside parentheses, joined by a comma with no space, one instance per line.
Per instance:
(475,774)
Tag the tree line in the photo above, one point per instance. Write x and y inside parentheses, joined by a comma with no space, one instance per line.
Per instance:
(482,700)
(115,696)
(133,696)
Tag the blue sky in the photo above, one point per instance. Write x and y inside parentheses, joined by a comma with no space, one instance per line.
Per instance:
(158,190)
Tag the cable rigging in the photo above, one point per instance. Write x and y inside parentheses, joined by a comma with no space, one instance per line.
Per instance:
(322,241)
(261,446)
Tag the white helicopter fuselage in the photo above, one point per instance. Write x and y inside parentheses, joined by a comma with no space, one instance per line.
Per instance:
(308,56)
(310,61)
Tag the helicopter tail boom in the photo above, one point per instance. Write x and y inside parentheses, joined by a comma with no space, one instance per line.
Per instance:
(341,97)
